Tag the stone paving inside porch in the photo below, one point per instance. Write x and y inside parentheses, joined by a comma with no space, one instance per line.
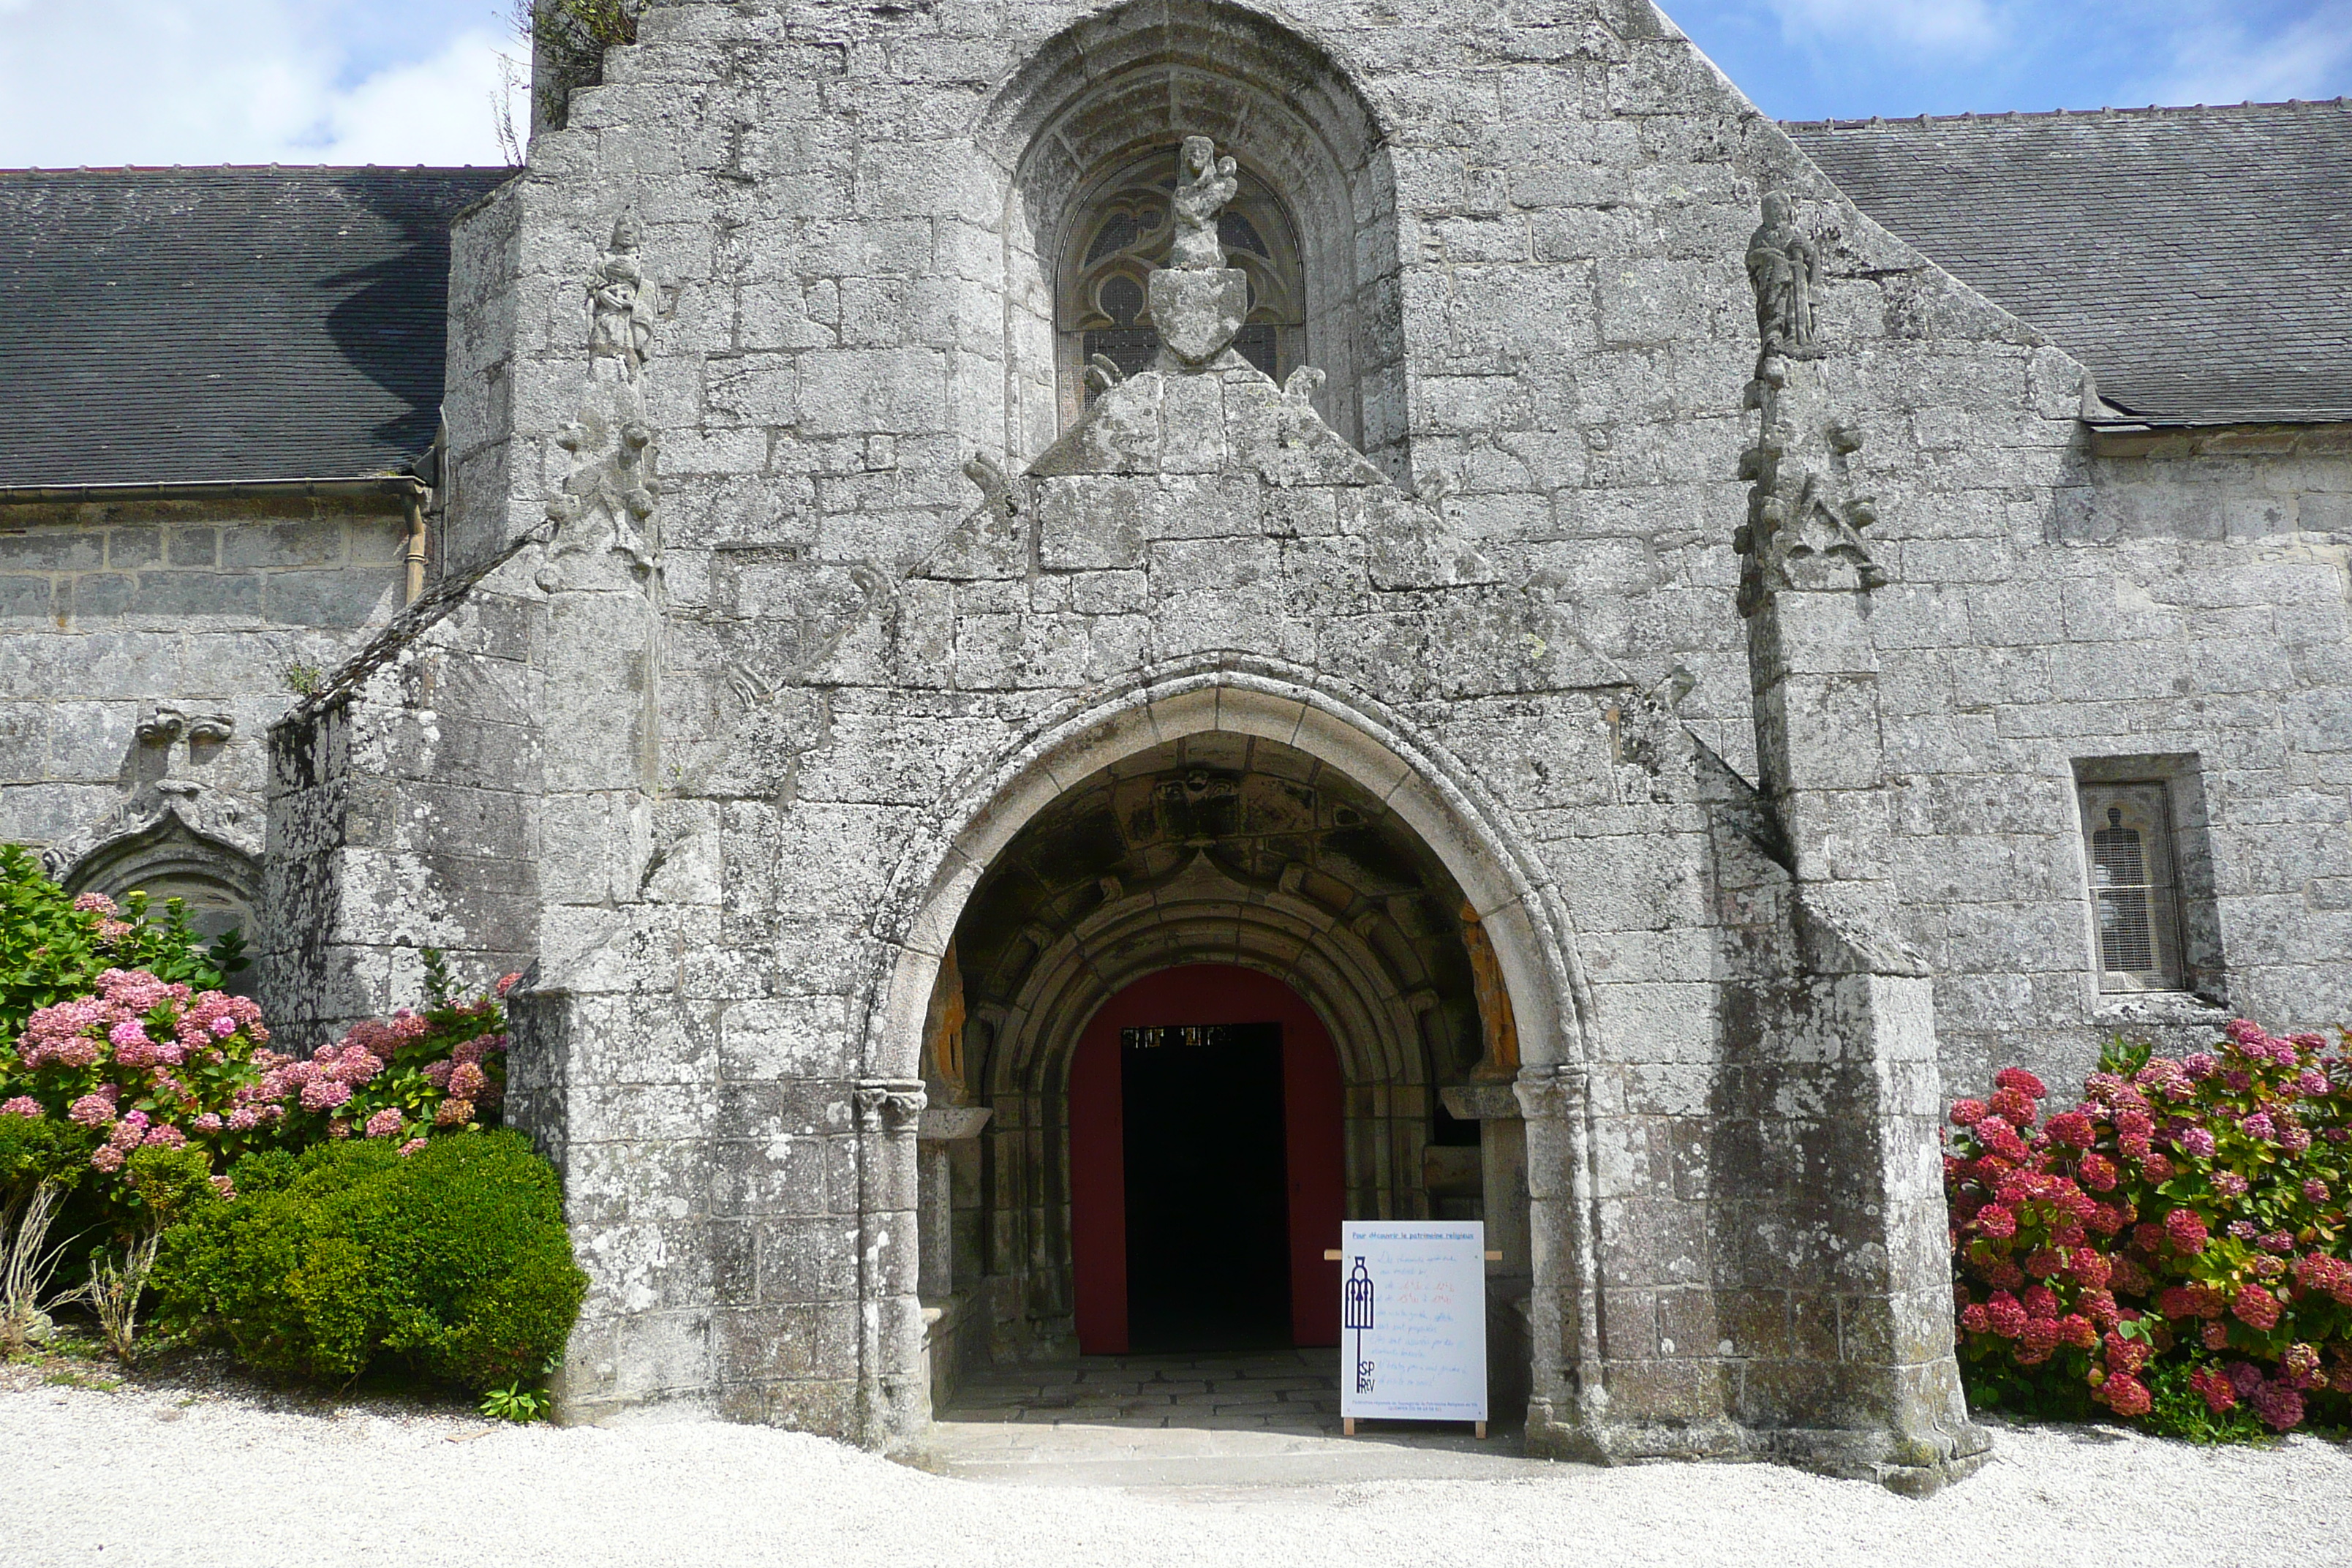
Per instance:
(1248,1419)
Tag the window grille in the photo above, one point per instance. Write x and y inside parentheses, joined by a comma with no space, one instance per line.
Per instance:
(2134,907)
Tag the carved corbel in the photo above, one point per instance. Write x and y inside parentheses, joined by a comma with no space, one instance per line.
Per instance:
(160,724)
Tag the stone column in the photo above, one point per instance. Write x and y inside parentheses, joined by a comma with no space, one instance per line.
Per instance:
(1565,1406)
(1843,1083)
(894,1391)
(947,1337)
(1510,1278)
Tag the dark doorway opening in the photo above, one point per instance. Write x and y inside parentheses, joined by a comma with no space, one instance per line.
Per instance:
(1207,1254)
(1207,1097)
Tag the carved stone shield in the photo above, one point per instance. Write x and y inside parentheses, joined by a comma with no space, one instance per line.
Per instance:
(1197,313)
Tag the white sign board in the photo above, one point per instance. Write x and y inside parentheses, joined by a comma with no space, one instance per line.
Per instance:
(1413,1319)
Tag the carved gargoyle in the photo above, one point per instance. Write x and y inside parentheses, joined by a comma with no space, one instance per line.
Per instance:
(999,493)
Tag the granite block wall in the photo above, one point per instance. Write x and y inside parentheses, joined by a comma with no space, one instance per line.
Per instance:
(756,691)
(212,609)
(860,675)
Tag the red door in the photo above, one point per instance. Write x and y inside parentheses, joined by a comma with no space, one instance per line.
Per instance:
(1205,994)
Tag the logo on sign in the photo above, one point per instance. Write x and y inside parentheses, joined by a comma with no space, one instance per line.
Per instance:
(1356,1314)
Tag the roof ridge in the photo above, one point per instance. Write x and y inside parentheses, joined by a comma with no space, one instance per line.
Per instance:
(2103,113)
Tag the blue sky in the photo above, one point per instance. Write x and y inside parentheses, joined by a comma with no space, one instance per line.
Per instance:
(1811,60)
(403,81)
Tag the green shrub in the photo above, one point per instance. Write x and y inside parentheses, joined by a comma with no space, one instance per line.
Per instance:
(453,1259)
(35,1149)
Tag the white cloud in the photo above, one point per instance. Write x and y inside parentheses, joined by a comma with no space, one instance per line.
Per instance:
(437,111)
(1971,27)
(2215,61)
(243,82)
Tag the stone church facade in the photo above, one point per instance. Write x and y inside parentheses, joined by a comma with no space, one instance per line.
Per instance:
(939,514)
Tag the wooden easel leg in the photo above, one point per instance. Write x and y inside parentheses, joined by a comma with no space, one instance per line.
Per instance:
(1478,1429)
(1347,1426)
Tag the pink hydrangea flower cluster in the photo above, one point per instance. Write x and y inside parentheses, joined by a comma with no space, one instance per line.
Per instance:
(144,1063)
(2184,1209)
(148,1062)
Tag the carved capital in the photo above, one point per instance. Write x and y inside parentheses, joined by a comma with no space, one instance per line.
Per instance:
(1551,1093)
(890,1105)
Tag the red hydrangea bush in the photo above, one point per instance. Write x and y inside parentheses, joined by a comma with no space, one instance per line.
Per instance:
(2172,1248)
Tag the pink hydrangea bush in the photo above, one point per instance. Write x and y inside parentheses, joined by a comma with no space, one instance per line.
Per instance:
(143,1063)
(442,1070)
(2172,1248)
(146,1063)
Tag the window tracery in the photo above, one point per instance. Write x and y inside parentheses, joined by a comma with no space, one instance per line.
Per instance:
(1123,231)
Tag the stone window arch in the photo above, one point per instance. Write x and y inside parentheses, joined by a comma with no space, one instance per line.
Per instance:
(1127,85)
(220,883)
(1121,231)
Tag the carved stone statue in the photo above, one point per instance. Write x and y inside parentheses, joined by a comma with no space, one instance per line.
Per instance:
(1784,266)
(622,300)
(1204,184)
(1805,511)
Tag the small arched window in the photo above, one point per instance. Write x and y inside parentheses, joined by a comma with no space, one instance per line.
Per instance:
(219,884)
(1122,232)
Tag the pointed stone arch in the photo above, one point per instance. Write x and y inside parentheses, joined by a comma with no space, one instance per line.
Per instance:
(1500,877)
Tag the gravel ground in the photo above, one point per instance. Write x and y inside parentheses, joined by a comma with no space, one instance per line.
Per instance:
(184,1471)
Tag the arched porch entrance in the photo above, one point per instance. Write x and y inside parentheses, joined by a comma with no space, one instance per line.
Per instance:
(1238,815)
(1123,1192)
(1206,1174)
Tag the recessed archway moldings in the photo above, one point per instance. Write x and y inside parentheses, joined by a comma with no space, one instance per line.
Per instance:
(1431,793)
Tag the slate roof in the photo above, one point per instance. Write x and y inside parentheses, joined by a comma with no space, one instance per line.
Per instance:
(173,325)
(2199,261)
